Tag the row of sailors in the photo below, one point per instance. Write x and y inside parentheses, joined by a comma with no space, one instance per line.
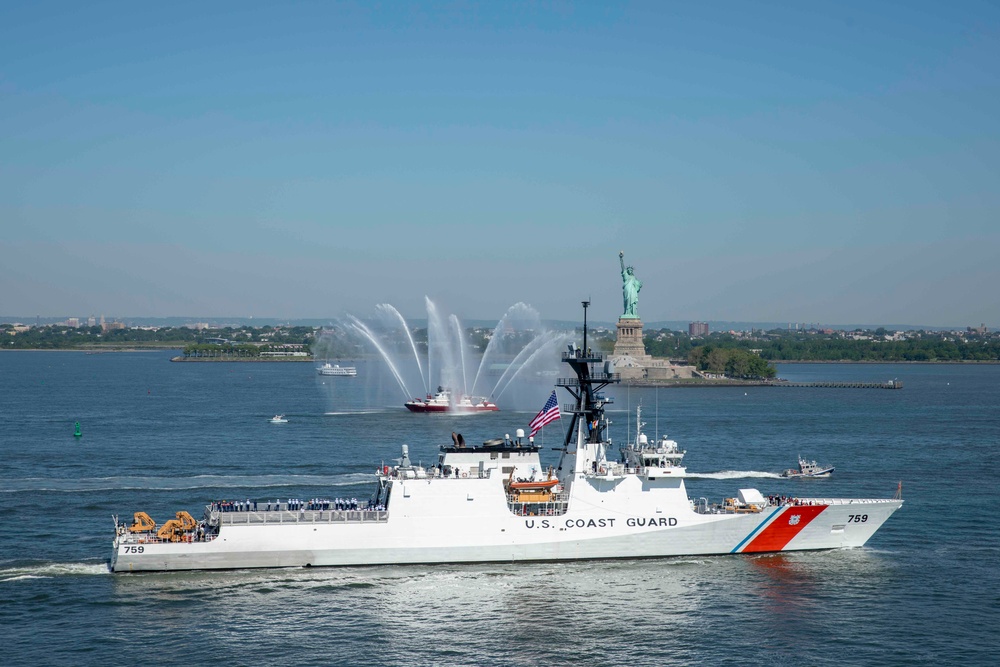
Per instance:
(789,500)
(782,500)
(292,505)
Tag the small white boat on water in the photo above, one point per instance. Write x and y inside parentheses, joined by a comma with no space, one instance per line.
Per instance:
(337,370)
(278,419)
(808,469)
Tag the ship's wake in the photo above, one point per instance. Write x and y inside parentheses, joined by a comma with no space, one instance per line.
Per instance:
(50,570)
(733,474)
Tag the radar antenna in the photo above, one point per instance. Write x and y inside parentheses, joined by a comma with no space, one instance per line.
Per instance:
(593,373)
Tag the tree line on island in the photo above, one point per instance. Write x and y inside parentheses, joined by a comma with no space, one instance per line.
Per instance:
(783,345)
(732,354)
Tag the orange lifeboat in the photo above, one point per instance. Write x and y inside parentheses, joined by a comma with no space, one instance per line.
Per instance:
(542,485)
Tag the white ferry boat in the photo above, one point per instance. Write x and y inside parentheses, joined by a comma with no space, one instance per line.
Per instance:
(497,502)
(337,370)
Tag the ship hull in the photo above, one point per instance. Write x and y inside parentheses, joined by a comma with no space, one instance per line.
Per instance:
(470,539)
(419,407)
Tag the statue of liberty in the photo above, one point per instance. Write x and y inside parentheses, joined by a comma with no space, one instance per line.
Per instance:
(630,289)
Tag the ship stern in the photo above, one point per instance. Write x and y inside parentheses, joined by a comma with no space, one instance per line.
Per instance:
(114,554)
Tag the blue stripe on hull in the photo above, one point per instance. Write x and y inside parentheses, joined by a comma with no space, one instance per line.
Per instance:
(755,530)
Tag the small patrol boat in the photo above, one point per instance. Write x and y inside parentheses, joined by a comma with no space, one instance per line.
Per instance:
(808,469)
(278,419)
(492,503)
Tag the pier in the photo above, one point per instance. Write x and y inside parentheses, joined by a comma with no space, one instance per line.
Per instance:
(891,384)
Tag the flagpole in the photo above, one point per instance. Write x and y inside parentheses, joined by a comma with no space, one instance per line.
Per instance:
(628,409)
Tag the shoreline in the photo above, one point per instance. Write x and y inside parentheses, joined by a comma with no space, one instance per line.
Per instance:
(101,350)
(956,362)
(90,350)
(242,360)
(778,382)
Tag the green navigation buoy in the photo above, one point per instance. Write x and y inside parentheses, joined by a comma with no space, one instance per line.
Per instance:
(76,433)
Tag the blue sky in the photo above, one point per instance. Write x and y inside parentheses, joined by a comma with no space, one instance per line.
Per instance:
(781,161)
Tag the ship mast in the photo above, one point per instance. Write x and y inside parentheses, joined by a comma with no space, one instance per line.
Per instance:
(588,405)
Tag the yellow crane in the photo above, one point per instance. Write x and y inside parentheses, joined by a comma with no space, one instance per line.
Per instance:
(174,529)
(143,523)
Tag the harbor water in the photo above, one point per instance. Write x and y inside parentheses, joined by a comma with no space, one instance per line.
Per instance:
(160,437)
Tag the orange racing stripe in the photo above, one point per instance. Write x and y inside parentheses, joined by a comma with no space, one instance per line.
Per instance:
(784,528)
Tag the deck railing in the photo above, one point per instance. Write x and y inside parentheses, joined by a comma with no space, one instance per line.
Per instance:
(300,516)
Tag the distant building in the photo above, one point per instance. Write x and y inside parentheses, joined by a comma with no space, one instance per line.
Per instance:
(697,329)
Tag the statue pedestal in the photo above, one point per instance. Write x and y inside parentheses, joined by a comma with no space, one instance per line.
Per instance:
(629,342)
(632,362)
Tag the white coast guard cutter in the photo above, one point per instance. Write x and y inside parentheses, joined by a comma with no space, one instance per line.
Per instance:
(497,502)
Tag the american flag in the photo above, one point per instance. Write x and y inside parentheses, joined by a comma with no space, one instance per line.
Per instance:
(549,413)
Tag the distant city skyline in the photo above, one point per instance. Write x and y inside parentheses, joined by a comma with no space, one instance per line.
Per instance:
(715,326)
(776,163)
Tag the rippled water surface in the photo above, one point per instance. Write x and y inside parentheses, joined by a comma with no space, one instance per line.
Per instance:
(160,437)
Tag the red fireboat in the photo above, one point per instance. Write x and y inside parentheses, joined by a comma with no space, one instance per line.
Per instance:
(442,402)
